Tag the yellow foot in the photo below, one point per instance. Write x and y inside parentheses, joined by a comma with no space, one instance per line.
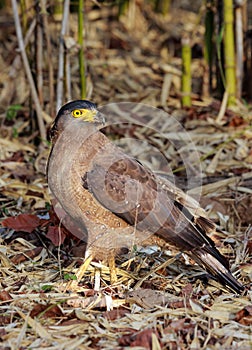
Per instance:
(73,285)
(112,268)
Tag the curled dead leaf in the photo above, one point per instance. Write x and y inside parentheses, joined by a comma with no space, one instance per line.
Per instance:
(32,253)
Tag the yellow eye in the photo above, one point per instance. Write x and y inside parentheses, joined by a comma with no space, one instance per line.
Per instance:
(77,113)
(87,115)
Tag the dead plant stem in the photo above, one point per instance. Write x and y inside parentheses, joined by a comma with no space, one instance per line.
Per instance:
(28,70)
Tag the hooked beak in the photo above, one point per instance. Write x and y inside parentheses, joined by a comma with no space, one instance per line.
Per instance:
(99,118)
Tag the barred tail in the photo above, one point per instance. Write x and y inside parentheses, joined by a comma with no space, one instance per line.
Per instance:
(217,270)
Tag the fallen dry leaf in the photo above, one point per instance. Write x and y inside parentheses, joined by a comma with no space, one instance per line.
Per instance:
(5,296)
(27,254)
(22,222)
(56,235)
(244,316)
(142,339)
(49,310)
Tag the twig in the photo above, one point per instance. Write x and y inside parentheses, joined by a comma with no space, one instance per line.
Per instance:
(223,108)
(28,71)
(29,32)
(60,78)
(68,77)
(166,89)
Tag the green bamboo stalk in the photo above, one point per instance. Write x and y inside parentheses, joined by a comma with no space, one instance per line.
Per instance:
(81,50)
(24,19)
(163,6)
(229,50)
(122,7)
(58,9)
(186,72)
(2,4)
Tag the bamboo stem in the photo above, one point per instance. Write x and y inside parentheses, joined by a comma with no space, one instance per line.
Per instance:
(57,10)
(186,72)
(122,7)
(163,6)
(229,50)
(23,15)
(28,70)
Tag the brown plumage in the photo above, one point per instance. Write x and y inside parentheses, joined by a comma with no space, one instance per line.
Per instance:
(115,201)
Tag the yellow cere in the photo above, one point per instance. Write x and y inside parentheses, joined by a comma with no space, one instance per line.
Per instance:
(84,114)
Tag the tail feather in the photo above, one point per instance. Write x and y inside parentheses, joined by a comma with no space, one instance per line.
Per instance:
(217,270)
